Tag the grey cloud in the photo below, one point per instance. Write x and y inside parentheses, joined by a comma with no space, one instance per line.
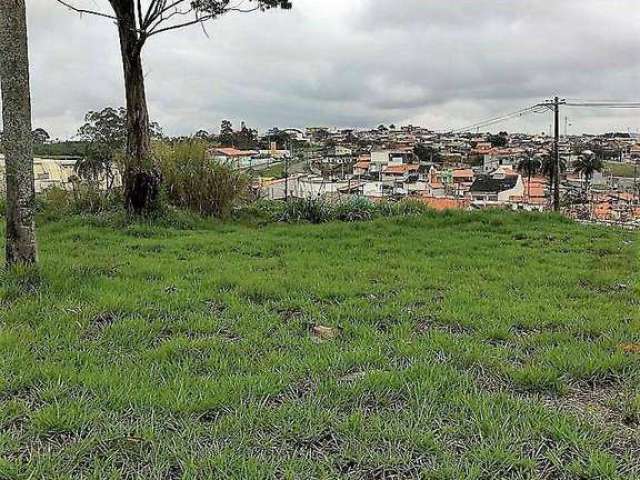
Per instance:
(349,63)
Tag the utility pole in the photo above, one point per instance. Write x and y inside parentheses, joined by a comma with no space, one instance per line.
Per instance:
(556,153)
(286,172)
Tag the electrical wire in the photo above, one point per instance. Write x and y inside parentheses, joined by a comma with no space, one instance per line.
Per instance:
(498,119)
(613,105)
(544,107)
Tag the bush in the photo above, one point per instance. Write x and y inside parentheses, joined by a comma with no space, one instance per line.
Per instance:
(85,198)
(311,210)
(261,212)
(3,207)
(405,208)
(194,181)
(356,209)
(316,210)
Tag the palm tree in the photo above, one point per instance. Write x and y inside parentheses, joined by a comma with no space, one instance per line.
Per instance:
(529,165)
(21,246)
(588,164)
(548,167)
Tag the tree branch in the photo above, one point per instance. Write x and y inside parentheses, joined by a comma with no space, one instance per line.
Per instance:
(88,12)
(159,12)
(195,21)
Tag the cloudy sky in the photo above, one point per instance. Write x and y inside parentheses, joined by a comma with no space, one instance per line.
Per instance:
(350,63)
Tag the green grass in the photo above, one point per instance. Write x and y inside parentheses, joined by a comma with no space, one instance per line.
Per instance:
(276,171)
(618,169)
(471,346)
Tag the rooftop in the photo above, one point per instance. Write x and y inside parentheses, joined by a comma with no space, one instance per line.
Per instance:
(486,183)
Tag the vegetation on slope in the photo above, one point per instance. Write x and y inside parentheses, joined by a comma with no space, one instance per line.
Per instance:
(476,346)
(618,169)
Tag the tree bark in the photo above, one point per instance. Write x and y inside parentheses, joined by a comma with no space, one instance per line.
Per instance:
(21,246)
(141,177)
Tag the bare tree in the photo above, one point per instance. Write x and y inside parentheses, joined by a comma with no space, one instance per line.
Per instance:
(137,21)
(21,246)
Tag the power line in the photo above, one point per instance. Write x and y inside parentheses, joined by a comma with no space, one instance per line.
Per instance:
(590,100)
(544,107)
(614,105)
(497,119)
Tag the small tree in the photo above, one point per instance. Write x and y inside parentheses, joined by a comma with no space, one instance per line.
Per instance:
(105,134)
(226,134)
(137,21)
(427,153)
(246,138)
(40,136)
(21,246)
(202,135)
(501,140)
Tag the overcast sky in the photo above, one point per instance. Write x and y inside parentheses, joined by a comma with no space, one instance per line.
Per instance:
(350,63)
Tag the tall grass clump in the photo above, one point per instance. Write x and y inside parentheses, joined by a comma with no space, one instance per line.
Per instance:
(404,208)
(194,181)
(312,210)
(318,210)
(84,198)
(356,209)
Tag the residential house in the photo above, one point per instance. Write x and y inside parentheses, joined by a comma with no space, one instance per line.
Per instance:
(499,188)
(234,157)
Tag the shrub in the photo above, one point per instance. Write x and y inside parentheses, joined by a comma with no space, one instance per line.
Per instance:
(85,198)
(404,208)
(88,198)
(194,181)
(313,210)
(261,211)
(3,207)
(356,209)
(317,210)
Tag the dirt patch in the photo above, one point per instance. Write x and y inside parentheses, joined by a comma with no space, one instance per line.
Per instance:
(412,469)
(99,323)
(214,415)
(600,404)
(594,402)
(289,315)
(43,445)
(215,307)
(320,446)
(295,392)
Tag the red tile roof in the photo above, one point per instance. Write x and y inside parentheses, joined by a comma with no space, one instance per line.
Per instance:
(463,173)
(400,169)
(233,152)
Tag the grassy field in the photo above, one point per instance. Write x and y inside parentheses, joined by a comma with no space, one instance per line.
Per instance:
(276,171)
(618,169)
(466,346)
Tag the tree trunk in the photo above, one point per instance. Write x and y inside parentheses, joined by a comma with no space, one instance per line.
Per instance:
(141,177)
(21,244)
